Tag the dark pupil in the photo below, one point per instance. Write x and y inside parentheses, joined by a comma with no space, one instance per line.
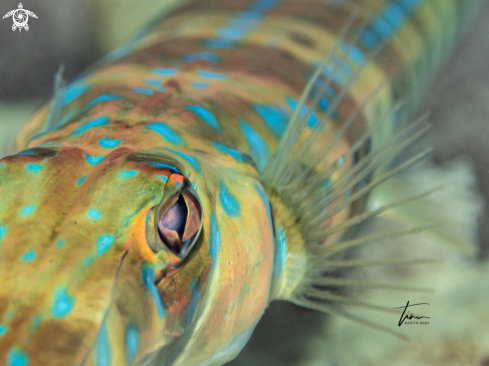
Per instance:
(176,217)
(171,225)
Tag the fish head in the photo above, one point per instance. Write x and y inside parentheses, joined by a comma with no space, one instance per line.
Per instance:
(153,257)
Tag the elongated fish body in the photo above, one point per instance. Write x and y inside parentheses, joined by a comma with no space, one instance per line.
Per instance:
(160,201)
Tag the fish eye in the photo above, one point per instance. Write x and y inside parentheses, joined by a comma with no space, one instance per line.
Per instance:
(178,220)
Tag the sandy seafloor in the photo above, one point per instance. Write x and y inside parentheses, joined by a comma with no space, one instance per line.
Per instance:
(77,32)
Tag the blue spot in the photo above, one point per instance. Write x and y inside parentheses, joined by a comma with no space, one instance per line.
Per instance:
(208,56)
(60,243)
(164,178)
(215,243)
(36,322)
(17,358)
(94,214)
(132,342)
(235,154)
(27,210)
(81,180)
(29,256)
(164,166)
(232,33)
(206,115)
(243,22)
(104,242)
(354,53)
(311,120)
(200,85)
(102,98)
(229,202)
(211,75)
(218,43)
(258,147)
(73,91)
(109,143)
(103,352)
(326,183)
(62,304)
(87,262)
(188,158)
(165,72)
(337,78)
(153,82)
(68,116)
(369,39)
(2,165)
(27,152)
(409,5)
(100,121)
(395,15)
(249,15)
(34,168)
(274,117)
(143,91)
(128,173)
(93,160)
(3,329)
(382,27)
(3,231)
(166,132)
(148,276)
(323,104)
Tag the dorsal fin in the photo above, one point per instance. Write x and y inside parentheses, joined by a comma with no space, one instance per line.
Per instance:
(306,196)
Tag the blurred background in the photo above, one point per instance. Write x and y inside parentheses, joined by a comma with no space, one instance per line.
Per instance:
(77,32)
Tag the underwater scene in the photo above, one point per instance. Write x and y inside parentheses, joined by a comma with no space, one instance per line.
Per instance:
(244,182)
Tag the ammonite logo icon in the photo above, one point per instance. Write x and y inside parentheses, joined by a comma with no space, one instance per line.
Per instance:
(20,17)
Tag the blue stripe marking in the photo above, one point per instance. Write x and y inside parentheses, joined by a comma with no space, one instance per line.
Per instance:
(27,210)
(63,303)
(240,22)
(164,178)
(250,15)
(102,98)
(218,43)
(235,154)
(354,54)
(153,82)
(258,147)
(128,173)
(132,342)
(215,242)
(148,275)
(100,121)
(274,117)
(143,91)
(34,168)
(200,85)
(205,115)
(192,306)
(17,358)
(27,152)
(311,120)
(68,116)
(211,75)
(94,214)
(165,72)
(103,351)
(166,132)
(3,231)
(229,202)
(104,242)
(205,55)
(266,204)
(232,33)
(3,329)
(164,166)
(94,160)
(394,15)
(280,254)
(188,158)
(29,256)
(81,180)
(73,91)
(108,143)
